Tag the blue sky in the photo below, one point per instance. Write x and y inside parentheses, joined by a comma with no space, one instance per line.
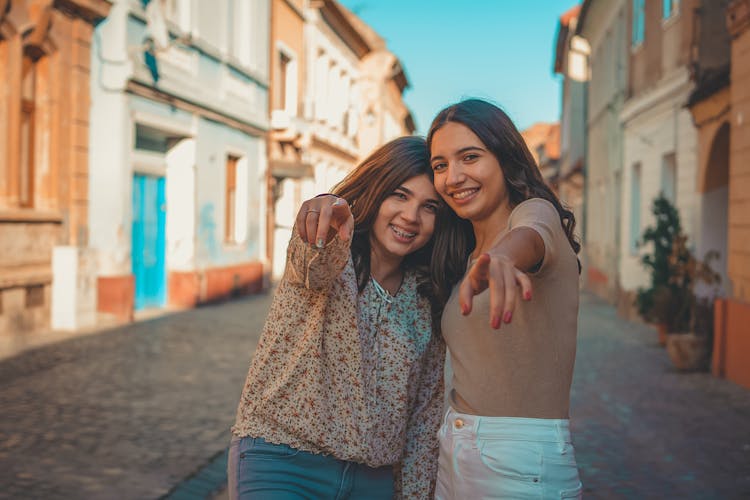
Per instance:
(501,50)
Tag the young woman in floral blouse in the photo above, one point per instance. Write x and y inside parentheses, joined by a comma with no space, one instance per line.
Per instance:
(345,392)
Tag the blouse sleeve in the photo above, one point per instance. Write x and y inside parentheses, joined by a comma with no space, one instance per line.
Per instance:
(541,216)
(312,267)
(416,474)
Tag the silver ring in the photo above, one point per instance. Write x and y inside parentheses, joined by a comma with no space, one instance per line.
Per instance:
(311,210)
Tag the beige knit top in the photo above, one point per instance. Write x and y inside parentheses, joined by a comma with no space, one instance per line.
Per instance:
(525,368)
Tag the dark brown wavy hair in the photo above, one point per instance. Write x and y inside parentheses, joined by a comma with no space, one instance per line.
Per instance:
(498,133)
(441,262)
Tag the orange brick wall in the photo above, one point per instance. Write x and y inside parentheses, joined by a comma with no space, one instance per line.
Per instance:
(116,296)
(188,289)
(739,170)
(183,289)
(222,283)
(731,357)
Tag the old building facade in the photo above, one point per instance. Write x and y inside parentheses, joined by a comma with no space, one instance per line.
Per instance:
(603,24)
(155,151)
(570,62)
(178,158)
(667,115)
(45,54)
(728,137)
(659,136)
(336,95)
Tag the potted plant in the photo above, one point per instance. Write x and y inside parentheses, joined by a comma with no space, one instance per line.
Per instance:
(654,303)
(690,324)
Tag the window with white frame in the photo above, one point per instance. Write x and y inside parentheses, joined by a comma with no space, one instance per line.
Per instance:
(260,25)
(635,208)
(639,22)
(236,200)
(286,82)
(178,12)
(342,100)
(321,85)
(346,96)
(669,177)
(240,43)
(331,92)
(248,32)
(352,121)
(284,62)
(670,8)
(230,213)
(210,24)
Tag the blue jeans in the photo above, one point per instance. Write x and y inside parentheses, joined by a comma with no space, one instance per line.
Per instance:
(260,470)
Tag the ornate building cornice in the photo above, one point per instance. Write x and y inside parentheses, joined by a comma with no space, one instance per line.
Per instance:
(92,11)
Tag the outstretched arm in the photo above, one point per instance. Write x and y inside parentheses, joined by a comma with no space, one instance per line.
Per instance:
(503,270)
(528,249)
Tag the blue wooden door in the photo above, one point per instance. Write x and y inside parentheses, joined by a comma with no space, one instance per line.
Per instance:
(149,238)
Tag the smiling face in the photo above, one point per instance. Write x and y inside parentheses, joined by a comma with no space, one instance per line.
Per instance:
(467,175)
(405,220)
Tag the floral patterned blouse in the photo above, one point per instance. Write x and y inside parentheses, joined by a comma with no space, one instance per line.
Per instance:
(356,376)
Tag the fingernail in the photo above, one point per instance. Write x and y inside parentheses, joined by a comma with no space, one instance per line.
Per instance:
(319,243)
(508,316)
(495,322)
(464,310)
(527,295)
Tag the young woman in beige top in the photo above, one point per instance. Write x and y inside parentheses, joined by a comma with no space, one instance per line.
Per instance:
(506,432)
(344,395)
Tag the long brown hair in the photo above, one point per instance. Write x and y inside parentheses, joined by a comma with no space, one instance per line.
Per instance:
(441,262)
(498,133)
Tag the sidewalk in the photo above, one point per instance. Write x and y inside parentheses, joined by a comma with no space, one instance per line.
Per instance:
(144,410)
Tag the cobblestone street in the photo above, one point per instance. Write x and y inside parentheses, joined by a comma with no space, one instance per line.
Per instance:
(128,413)
(643,430)
(136,411)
